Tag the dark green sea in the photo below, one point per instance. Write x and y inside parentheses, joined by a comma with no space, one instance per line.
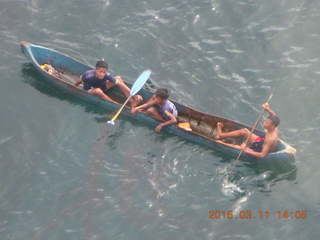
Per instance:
(223,57)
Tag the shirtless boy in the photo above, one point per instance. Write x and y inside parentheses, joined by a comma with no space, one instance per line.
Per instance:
(260,146)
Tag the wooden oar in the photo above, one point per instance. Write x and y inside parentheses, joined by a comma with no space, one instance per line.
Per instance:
(252,130)
(134,90)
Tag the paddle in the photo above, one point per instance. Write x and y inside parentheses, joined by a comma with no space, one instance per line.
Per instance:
(252,130)
(134,90)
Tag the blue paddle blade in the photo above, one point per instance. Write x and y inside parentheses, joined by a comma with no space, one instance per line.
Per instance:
(110,122)
(140,82)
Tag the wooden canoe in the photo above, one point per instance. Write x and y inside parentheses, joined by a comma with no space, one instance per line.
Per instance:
(203,125)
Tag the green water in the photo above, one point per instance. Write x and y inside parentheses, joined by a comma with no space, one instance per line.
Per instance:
(222,57)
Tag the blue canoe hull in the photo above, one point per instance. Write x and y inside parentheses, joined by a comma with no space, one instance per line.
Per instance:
(203,125)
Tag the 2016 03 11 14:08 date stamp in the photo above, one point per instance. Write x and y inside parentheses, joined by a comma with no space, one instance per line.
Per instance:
(258,214)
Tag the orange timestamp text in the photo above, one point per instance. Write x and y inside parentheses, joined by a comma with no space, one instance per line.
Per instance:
(258,214)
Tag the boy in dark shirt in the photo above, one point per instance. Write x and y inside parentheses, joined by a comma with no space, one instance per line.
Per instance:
(98,80)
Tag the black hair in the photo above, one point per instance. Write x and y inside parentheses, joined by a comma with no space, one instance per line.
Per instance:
(162,93)
(275,120)
(101,64)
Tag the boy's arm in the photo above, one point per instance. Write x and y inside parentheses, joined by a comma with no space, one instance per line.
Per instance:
(265,150)
(78,82)
(172,120)
(148,104)
(266,106)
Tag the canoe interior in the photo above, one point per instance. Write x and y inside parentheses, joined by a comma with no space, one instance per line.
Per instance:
(203,125)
